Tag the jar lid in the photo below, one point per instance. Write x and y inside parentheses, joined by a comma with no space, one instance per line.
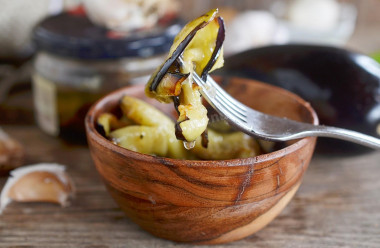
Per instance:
(73,35)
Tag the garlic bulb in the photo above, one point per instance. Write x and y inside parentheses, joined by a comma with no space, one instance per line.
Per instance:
(322,15)
(127,15)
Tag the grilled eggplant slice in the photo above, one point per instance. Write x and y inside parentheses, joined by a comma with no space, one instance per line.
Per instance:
(200,46)
(227,146)
(110,122)
(153,126)
(145,129)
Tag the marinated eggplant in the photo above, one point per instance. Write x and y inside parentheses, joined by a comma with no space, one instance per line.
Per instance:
(143,128)
(226,146)
(342,86)
(199,44)
(146,130)
(110,122)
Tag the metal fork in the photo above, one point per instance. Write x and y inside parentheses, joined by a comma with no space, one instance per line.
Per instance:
(268,127)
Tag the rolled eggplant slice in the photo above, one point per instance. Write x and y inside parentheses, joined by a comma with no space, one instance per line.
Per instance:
(147,140)
(200,46)
(145,129)
(155,134)
(143,113)
(150,140)
(110,122)
(226,146)
(196,43)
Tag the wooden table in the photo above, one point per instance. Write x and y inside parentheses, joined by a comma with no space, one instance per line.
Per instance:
(338,204)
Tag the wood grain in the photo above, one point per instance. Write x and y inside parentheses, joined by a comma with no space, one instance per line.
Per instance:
(204,201)
(336,206)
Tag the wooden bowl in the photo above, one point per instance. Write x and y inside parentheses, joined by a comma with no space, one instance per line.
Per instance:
(206,202)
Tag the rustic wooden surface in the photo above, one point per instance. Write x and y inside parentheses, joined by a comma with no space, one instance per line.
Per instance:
(337,205)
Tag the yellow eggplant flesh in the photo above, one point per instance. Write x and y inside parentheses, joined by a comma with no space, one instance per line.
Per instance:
(200,46)
(110,122)
(143,139)
(146,115)
(226,146)
(192,120)
(143,113)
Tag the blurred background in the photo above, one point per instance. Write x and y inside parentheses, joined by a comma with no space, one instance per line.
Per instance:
(361,17)
(68,53)
(354,21)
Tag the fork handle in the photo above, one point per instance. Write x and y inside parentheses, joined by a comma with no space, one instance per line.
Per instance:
(345,134)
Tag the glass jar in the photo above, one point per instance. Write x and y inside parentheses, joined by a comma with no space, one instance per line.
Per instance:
(78,62)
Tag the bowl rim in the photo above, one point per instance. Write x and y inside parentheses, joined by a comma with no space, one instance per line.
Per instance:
(93,134)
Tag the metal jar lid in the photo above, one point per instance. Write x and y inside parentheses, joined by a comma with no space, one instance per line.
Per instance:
(73,35)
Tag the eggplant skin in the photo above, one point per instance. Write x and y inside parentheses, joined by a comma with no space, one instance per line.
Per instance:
(342,86)
(217,52)
(157,77)
(200,43)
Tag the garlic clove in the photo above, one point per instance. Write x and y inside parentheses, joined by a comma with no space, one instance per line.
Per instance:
(11,153)
(38,183)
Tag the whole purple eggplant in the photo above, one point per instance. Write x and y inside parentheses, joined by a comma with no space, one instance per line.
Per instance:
(342,86)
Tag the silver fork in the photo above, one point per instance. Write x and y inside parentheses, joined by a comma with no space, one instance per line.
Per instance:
(268,127)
